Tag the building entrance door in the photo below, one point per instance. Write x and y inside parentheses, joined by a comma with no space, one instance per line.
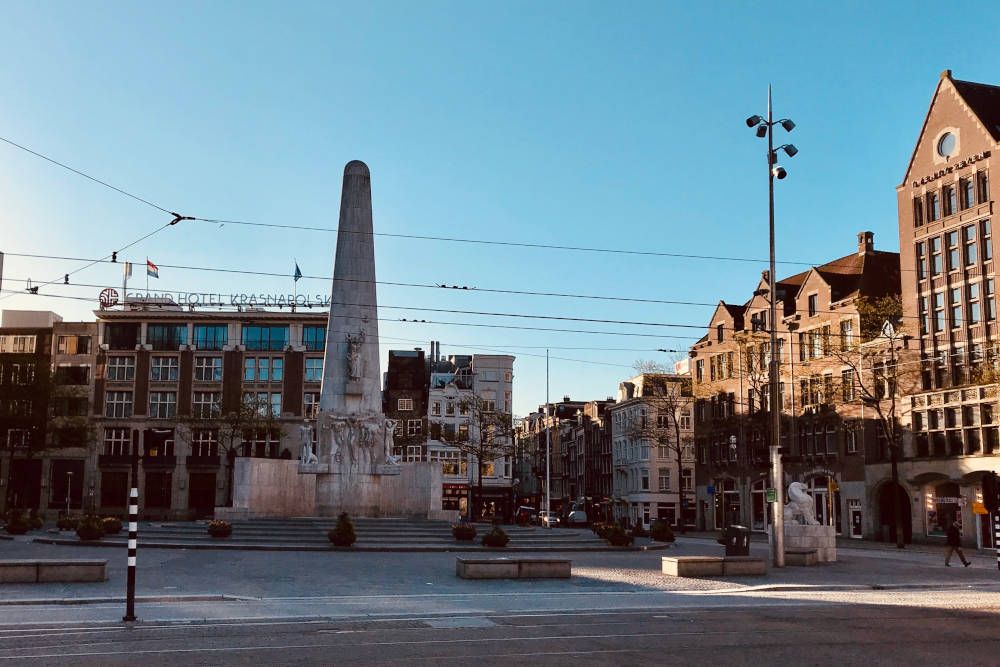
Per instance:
(857,529)
(25,483)
(201,493)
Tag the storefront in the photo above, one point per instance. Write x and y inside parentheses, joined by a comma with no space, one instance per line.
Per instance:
(943,505)
(455,497)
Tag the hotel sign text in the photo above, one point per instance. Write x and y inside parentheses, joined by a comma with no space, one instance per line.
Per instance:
(972,159)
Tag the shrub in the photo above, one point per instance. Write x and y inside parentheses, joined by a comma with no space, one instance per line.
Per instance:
(219,528)
(618,536)
(67,523)
(112,525)
(16,523)
(343,534)
(661,531)
(639,531)
(34,521)
(464,531)
(90,528)
(496,538)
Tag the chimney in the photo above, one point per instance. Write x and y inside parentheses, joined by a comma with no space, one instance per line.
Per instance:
(866,243)
(565,399)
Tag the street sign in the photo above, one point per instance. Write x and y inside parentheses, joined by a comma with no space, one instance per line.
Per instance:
(979,508)
(771,495)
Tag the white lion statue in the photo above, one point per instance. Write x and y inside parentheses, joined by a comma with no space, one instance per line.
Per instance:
(800,508)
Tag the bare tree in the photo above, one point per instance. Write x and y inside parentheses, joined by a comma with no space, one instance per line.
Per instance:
(489,437)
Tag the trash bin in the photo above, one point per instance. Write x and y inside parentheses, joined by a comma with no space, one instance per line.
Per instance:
(737,541)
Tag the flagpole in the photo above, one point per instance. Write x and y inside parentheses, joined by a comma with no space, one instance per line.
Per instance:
(295,285)
(147,277)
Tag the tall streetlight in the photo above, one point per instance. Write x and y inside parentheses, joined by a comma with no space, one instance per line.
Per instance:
(765,128)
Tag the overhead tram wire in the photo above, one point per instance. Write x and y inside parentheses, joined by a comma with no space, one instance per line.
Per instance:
(436,286)
(449,239)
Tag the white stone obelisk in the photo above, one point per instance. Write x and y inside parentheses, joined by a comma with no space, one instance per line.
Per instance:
(351,386)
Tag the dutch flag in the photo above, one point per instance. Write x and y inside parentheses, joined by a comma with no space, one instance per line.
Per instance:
(152,269)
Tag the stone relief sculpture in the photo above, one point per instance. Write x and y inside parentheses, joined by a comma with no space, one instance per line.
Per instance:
(390,443)
(307,456)
(355,365)
(801,507)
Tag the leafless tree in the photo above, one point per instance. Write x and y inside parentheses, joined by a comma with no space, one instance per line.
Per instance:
(489,437)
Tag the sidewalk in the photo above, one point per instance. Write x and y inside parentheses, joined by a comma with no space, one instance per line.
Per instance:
(848,543)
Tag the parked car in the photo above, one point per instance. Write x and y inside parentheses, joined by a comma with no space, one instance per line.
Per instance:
(526,514)
(548,519)
(577,518)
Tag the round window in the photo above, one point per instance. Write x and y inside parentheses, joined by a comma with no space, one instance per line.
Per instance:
(946,144)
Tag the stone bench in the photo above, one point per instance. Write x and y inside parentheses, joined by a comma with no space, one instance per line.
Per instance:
(712,566)
(37,571)
(801,557)
(513,568)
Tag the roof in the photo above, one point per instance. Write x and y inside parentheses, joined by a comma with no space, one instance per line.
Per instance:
(874,273)
(984,100)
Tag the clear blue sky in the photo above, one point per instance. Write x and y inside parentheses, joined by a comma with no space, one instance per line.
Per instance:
(561,122)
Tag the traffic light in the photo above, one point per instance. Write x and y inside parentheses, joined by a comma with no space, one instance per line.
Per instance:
(991,491)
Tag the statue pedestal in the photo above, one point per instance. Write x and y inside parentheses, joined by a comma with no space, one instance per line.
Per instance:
(313,468)
(821,538)
(387,470)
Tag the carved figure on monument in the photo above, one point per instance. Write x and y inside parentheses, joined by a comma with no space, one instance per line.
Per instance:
(801,507)
(355,366)
(390,444)
(306,437)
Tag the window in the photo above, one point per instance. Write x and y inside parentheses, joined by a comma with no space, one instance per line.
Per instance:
(449,408)
(73,345)
(508,376)
(210,336)
(205,442)
(120,369)
(973,299)
(933,206)
(950,200)
(265,338)
(206,404)
(314,369)
(812,305)
(956,307)
(414,453)
(664,479)
(263,369)
(414,426)
(314,338)
(921,260)
(118,404)
(938,311)
(850,440)
(846,334)
(463,432)
(65,375)
(275,403)
(310,404)
(70,406)
(490,376)
(847,385)
(162,404)
(404,404)
(645,480)
(164,369)
(662,451)
(987,239)
(918,212)
(936,256)
(208,369)
(967,192)
(991,303)
(436,408)
(117,442)
(982,187)
(969,237)
(166,336)
(699,370)
(17,344)
(719,329)
(951,240)
(121,336)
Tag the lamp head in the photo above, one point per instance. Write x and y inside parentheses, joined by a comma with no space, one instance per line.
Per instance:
(790,150)
(762,130)
(788,125)
(754,120)
(779,172)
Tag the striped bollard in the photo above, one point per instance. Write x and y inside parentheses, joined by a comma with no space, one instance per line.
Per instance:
(996,535)
(133,532)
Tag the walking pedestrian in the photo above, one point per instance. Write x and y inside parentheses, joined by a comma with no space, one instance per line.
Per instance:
(954,545)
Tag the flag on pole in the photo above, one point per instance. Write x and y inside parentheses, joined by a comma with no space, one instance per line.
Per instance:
(127,270)
(298,272)
(152,269)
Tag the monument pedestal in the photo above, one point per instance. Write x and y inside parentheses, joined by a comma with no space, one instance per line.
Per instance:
(821,538)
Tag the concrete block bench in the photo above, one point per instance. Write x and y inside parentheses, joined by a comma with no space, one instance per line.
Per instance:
(801,557)
(712,566)
(513,568)
(36,571)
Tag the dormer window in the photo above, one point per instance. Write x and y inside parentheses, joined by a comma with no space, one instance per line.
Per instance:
(719,329)
(812,305)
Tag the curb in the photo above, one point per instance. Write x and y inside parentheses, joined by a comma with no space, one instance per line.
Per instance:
(820,588)
(106,600)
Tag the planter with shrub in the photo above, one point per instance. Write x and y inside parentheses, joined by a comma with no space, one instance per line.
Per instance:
(16,523)
(639,531)
(463,532)
(112,525)
(661,531)
(495,538)
(67,523)
(343,534)
(618,536)
(219,528)
(90,528)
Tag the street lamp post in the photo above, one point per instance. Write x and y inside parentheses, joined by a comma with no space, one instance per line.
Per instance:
(733,458)
(69,486)
(765,128)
